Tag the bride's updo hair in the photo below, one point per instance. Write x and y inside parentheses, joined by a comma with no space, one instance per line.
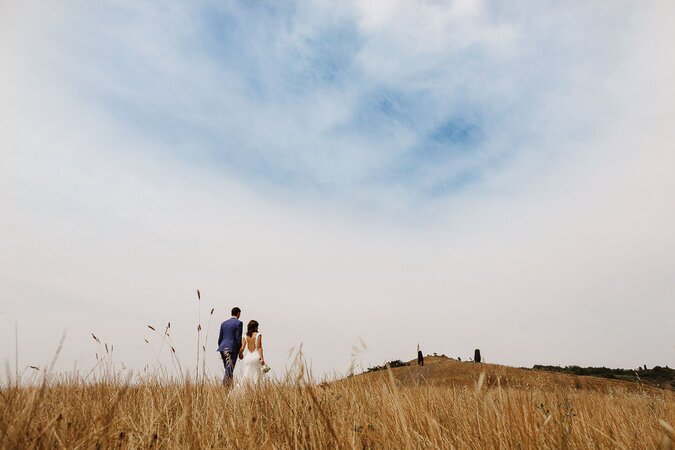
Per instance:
(251,328)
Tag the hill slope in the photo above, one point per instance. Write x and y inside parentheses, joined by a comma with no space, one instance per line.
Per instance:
(443,371)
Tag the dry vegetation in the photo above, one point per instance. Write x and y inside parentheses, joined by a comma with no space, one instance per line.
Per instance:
(442,405)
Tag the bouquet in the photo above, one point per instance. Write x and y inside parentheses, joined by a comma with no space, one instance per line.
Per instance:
(265,368)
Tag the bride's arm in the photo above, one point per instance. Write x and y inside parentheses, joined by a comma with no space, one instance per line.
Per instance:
(260,350)
(241,350)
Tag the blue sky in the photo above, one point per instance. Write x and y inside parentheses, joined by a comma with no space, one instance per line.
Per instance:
(326,166)
(307,97)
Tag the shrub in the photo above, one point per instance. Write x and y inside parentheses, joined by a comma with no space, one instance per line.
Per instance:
(388,364)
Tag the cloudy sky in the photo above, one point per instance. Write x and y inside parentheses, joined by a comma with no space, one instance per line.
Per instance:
(459,174)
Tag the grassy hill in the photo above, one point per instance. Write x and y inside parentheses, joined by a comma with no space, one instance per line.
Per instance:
(443,371)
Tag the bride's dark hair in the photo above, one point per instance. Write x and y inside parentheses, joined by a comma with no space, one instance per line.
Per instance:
(251,328)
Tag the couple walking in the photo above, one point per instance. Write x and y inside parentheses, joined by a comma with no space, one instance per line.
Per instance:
(233,344)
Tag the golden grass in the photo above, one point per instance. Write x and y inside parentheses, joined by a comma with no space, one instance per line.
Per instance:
(396,409)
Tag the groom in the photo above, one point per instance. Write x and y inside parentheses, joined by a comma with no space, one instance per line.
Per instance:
(229,343)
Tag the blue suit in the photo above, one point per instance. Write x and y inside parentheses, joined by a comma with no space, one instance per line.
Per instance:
(229,344)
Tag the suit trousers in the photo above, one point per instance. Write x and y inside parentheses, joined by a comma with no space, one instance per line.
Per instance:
(229,361)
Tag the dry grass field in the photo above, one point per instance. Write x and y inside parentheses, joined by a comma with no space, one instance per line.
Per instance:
(445,404)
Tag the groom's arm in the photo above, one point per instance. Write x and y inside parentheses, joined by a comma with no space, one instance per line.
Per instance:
(240,332)
(220,336)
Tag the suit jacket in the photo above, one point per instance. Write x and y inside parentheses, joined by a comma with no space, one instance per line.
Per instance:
(229,339)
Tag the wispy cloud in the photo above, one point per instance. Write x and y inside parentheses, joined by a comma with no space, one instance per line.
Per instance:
(345,99)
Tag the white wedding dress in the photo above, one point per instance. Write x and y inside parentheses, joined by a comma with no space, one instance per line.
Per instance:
(251,373)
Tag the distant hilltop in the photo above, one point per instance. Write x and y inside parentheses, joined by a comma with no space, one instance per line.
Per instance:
(440,369)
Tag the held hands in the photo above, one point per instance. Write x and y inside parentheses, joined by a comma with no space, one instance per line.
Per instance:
(241,355)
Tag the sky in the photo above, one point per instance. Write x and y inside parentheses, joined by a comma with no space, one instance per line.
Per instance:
(359,177)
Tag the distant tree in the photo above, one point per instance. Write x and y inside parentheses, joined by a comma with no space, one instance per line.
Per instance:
(388,365)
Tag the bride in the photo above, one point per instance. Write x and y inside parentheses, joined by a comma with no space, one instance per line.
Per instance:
(251,354)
